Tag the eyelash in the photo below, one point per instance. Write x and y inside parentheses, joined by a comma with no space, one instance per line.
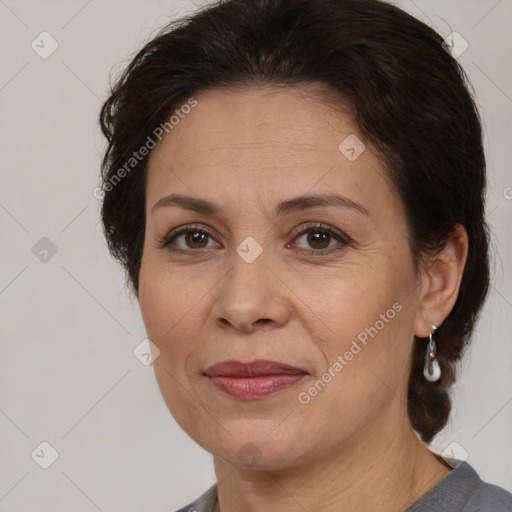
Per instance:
(343,239)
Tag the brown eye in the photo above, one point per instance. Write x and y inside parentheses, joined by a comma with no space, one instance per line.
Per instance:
(320,240)
(196,239)
(189,239)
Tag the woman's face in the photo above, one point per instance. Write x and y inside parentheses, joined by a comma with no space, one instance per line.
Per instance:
(339,301)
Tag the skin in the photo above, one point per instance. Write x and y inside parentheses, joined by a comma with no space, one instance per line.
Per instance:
(352,445)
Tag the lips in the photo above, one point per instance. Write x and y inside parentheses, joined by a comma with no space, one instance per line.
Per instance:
(254,368)
(253,380)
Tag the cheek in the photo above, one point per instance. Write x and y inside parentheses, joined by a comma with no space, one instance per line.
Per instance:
(167,300)
(365,373)
(167,308)
(364,342)
(350,300)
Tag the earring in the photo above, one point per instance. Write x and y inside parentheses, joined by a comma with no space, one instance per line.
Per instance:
(431,370)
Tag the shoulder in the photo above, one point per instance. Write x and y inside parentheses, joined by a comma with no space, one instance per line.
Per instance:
(484,496)
(205,503)
(489,498)
(462,490)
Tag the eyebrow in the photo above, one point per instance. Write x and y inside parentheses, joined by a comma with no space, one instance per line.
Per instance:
(295,204)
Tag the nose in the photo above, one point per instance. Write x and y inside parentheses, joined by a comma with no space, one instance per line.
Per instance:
(252,296)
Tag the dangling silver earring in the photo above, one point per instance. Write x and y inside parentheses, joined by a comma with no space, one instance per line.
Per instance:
(431,370)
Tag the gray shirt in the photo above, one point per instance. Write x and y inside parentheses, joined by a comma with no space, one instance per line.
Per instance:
(461,490)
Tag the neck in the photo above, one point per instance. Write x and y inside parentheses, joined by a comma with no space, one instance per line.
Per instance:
(380,472)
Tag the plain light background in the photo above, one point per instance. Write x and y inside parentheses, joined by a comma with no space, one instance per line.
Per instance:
(68,375)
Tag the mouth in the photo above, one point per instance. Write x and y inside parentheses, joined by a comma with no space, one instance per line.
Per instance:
(253,380)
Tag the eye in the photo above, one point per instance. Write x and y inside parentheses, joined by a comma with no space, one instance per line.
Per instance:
(188,238)
(322,239)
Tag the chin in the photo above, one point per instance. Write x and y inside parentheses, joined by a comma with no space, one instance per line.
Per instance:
(251,447)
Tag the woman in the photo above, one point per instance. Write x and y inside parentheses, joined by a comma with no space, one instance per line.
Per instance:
(296,190)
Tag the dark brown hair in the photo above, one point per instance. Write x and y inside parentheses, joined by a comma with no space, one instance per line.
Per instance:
(409,97)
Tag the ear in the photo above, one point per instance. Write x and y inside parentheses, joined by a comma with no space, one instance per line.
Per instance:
(441,277)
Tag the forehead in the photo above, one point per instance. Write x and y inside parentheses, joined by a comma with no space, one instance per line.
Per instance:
(261,141)
(281,118)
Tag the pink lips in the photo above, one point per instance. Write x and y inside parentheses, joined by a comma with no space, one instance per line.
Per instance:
(253,380)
